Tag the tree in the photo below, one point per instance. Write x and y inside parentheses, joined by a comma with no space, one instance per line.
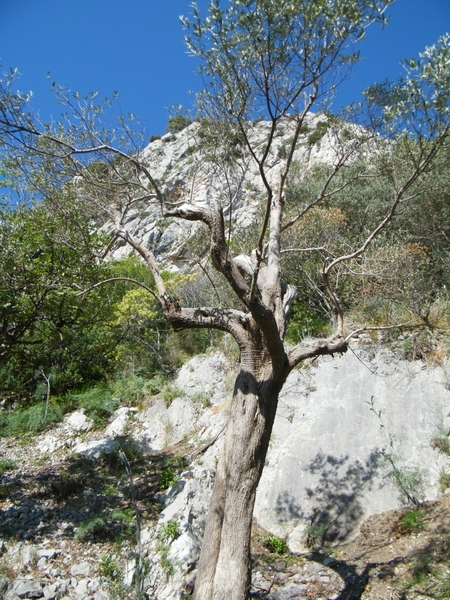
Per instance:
(272,61)
(45,325)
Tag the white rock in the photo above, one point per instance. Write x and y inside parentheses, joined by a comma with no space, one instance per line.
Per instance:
(77,422)
(82,569)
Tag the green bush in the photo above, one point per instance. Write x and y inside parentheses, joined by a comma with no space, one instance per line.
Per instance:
(168,477)
(411,521)
(92,528)
(444,480)
(275,544)
(98,403)
(109,568)
(131,390)
(115,526)
(169,531)
(177,123)
(130,448)
(30,420)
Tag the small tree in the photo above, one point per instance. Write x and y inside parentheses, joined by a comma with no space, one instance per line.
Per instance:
(275,61)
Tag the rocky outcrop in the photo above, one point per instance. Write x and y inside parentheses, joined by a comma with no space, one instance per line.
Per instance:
(183,169)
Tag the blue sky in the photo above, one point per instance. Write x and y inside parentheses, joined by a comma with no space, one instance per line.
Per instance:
(136,47)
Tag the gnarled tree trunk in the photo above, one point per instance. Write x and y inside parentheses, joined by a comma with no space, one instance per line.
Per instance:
(223,568)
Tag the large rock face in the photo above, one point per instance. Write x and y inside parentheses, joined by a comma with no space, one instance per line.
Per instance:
(352,437)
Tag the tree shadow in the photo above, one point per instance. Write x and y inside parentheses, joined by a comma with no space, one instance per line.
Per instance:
(336,498)
(411,565)
(59,497)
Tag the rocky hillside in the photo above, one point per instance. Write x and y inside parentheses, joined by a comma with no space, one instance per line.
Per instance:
(184,169)
(106,513)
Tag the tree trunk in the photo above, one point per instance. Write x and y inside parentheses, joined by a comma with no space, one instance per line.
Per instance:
(224,564)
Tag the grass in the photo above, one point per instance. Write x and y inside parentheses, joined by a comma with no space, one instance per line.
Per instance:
(444,480)
(201,398)
(116,526)
(167,533)
(7,464)
(30,420)
(170,393)
(132,450)
(315,533)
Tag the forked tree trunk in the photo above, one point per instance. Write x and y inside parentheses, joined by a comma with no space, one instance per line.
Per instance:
(224,564)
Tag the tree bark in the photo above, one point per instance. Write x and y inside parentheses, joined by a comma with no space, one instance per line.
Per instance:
(224,564)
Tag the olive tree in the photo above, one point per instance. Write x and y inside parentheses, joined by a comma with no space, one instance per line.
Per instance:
(273,61)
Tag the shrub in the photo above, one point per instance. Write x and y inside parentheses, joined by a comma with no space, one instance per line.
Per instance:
(444,480)
(115,526)
(169,531)
(168,477)
(177,123)
(130,448)
(98,403)
(130,390)
(170,393)
(410,522)
(315,533)
(109,568)
(92,528)
(441,442)
(275,544)
(201,398)
(32,419)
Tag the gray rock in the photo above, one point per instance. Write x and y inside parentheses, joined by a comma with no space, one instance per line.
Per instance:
(3,585)
(83,569)
(47,552)
(27,588)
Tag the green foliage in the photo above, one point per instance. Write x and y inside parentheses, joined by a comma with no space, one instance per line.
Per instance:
(170,393)
(318,133)
(170,472)
(441,441)
(444,481)
(169,531)
(114,526)
(92,528)
(132,390)
(30,420)
(110,568)
(47,326)
(201,398)
(250,74)
(98,403)
(125,446)
(422,568)
(7,464)
(177,123)
(275,544)
(411,521)
(315,534)
(443,590)
(168,477)
(304,322)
